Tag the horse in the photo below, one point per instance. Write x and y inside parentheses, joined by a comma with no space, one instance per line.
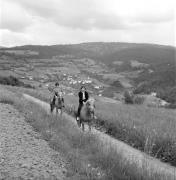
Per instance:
(87,113)
(57,103)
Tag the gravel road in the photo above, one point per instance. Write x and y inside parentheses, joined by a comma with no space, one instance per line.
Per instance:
(23,154)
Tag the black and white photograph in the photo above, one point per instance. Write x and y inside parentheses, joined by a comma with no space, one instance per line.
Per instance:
(87,90)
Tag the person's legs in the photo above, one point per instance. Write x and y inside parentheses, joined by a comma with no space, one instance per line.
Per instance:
(52,105)
(54,99)
(79,110)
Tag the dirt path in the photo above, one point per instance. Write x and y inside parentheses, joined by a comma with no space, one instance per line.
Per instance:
(23,154)
(130,155)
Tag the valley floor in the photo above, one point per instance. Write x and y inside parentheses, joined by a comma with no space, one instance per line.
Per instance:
(23,154)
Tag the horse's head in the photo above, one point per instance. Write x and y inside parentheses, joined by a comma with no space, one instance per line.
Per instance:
(59,99)
(90,104)
(58,94)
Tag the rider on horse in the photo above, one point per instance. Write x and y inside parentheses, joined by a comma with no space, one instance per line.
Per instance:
(83,97)
(57,91)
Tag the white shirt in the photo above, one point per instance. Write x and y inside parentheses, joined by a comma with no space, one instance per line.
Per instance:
(84,97)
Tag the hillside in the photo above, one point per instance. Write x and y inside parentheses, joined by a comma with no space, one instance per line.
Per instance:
(65,149)
(112,67)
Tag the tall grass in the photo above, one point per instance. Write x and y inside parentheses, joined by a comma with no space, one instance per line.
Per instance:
(151,130)
(88,158)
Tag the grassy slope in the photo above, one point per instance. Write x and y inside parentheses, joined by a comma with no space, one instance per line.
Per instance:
(149,129)
(87,159)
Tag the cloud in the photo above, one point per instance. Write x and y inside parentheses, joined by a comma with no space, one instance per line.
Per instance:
(72,21)
(100,14)
(75,14)
(14,18)
(155,17)
(43,8)
(10,38)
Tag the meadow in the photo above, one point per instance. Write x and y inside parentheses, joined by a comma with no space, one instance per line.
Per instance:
(86,158)
(151,130)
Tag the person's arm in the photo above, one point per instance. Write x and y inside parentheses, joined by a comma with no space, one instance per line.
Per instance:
(87,96)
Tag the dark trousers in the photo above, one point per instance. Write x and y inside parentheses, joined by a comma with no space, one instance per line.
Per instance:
(53,99)
(79,109)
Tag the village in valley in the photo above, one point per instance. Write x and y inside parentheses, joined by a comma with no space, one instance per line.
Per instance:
(73,72)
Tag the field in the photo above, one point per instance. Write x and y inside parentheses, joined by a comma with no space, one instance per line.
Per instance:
(148,129)
(87,159)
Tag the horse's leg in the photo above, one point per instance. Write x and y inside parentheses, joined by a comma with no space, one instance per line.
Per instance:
(82,126)
(51,108)
(89,124)
(78,123)
(56,111)
(61,112)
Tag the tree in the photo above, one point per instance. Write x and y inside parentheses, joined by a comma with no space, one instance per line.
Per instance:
(128,97)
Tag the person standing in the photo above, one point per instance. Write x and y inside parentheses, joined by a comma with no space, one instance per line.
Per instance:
(83,97)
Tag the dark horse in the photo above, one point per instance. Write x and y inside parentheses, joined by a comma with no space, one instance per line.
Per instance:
(58,103)
(87,114)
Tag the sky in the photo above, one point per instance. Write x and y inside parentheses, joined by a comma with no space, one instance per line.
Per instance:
(49,22)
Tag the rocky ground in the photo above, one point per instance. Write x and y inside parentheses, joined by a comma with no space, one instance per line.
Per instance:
(23,154)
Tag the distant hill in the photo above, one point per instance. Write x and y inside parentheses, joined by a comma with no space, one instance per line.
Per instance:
(96,49)
(153,66)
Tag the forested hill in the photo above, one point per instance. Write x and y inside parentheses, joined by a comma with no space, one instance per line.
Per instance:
(153,66)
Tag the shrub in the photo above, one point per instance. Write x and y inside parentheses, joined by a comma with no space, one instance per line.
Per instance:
(169,94)
(128,97)
(139,100)
(13,81)
(171,106)
(142,88)
(117,84)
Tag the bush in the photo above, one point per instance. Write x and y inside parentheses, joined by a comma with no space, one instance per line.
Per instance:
(169,94)
(171,106)
(139,100)
(128,97)
(142,88)
(13,81)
